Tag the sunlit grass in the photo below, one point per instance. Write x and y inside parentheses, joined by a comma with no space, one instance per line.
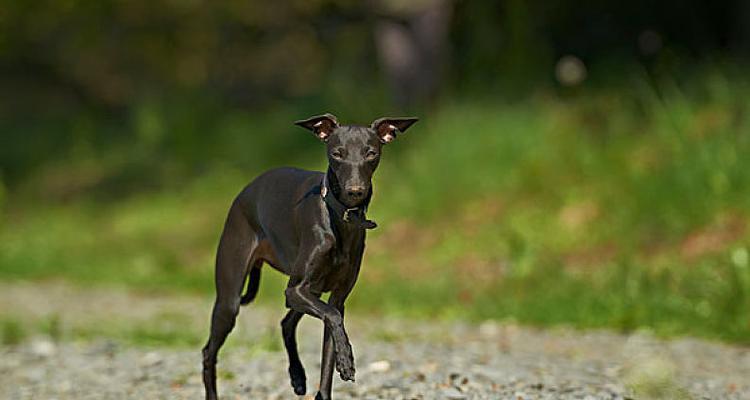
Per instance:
(623,209)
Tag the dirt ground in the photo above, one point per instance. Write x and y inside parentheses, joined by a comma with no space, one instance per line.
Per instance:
(395,358)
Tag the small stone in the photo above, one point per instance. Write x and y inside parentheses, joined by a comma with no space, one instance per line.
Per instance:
(151,359)
(452,393)
(489,329)
(428,368)
(43,348)
(537,386)
(380,366)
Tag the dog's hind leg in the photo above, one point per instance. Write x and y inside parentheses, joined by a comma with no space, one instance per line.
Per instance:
(238,241)
(296,370)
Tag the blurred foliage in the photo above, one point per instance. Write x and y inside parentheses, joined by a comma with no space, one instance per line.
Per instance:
(11,331)
(164,76)
(611,191)
(622,209)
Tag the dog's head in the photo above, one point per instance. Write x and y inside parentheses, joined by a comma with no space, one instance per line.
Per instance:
(354,151)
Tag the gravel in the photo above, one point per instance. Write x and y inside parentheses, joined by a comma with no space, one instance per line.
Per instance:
(395,359)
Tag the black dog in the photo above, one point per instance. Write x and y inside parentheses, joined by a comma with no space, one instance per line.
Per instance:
(310,226)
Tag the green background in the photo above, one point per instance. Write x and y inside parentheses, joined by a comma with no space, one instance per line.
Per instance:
(619,199)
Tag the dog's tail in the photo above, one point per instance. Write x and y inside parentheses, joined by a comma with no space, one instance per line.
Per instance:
(253,283)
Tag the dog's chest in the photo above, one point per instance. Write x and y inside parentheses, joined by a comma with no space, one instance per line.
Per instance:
(340,258)
(344,260)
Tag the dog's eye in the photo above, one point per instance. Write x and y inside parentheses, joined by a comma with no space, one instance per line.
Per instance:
(337,155)
(371,154)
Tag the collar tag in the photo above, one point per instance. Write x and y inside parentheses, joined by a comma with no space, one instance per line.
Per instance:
(347,212)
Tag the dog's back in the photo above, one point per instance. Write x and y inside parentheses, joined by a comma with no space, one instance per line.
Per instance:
(273,195)
(270,203)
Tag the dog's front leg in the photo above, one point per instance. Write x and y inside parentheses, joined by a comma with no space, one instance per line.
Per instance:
(326,364)
(300,298)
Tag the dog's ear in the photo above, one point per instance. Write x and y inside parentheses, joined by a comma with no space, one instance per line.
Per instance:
(387,128)
(321,125)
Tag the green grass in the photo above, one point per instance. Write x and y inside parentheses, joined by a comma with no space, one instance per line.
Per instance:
(624,209)
(11,331)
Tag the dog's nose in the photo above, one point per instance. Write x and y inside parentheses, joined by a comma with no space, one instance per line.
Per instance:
(355,192)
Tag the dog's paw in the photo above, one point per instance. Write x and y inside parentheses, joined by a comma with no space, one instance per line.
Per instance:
(347,374)
(299,389)
(345,364)
(298,380)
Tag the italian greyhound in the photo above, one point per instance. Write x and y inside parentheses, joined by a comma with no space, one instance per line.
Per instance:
(310,226)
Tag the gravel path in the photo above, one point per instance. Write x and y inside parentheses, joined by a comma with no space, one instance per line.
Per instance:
(396,359)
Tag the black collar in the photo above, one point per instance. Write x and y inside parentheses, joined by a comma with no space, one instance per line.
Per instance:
(349,215)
